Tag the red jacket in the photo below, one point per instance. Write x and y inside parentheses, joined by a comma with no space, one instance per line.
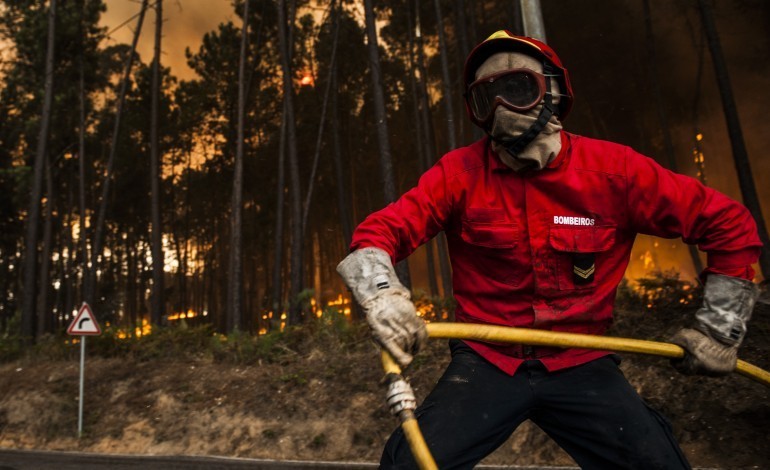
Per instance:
(547,249)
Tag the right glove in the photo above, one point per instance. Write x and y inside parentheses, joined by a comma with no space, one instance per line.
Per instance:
(711,348)
(369,274)
(704,355)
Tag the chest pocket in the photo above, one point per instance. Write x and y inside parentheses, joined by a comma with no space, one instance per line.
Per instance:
(579,253)
(490,234)
(490,244)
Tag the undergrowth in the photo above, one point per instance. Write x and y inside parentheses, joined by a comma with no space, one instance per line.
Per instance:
(641,307)
(332,331)
(655,306)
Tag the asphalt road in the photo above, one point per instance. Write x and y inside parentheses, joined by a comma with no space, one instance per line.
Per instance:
(33,460)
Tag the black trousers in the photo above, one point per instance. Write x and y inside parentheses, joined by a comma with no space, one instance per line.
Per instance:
(591,411)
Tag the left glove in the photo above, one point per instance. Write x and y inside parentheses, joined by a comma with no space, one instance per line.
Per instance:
(711,348)
(390,313)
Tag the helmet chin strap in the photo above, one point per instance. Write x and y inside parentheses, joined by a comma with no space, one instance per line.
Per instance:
(514,145)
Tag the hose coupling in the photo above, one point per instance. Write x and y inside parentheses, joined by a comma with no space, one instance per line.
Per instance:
(400,396)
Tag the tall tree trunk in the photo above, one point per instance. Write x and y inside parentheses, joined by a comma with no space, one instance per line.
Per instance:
(187,302)
(82,177)
(697,136)
(383,140)
(447,80)
(43,319)
(33,213)
(430,138)
(220,280)
(668,145)
(319,139)
(141,299)
(98,232)
(277,287)
(477,133)
(235,294)
(482,15)
(472,23)
(317,288)
(158,261)
(342,186)
(514,17)
(449,110)
(131,284)
(277,291)
(421,145)
(178,279)
(69,262)
(343,202)
(740,155)
(463,49)
(296,244)
(381,117)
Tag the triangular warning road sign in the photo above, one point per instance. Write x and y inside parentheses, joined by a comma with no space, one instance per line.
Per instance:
(84,323)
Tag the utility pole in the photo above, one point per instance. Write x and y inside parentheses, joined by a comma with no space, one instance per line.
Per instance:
(532,17)
(36,194)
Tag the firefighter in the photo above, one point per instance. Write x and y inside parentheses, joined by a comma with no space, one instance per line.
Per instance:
(540,224)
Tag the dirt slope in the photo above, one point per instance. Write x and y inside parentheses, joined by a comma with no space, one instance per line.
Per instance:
(323,401)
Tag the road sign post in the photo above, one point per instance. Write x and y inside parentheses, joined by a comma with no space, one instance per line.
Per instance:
(84,324)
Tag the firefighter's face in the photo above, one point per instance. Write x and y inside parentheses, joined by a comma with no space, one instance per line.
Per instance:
(503,106)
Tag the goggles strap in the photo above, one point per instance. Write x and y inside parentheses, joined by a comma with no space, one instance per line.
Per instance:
(517,144)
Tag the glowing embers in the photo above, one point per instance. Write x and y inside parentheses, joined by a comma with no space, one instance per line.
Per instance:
(699,158)
(307,80)
(342,304)
(188,314)
(144,328)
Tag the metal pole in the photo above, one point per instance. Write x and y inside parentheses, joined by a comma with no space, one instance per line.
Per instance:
(532,17)
(82,373)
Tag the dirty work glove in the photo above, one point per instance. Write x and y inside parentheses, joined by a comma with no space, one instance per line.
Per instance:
(711,348)
(369,274)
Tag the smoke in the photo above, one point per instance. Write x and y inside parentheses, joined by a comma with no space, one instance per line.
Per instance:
(185,23)
(603,44)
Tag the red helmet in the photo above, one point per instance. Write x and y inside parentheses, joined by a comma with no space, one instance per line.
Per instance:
(505,41)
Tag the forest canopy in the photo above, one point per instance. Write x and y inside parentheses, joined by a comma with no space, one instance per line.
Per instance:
(229,197)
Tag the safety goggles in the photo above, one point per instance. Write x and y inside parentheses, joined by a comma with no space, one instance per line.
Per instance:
(517,89)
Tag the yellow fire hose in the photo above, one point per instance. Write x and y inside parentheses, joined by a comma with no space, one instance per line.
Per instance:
(502,334)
